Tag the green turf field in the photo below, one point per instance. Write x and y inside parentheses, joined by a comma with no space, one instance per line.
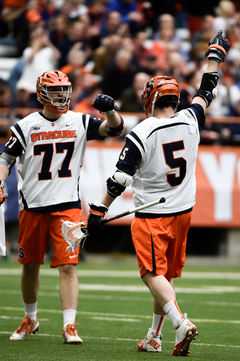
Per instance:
(115,312)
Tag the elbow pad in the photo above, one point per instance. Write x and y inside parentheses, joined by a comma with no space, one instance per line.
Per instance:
(7,160)
(117,184)
(207,89)
(114,132)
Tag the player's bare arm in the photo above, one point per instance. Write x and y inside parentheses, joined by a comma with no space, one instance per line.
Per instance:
(217,50)
(114,125)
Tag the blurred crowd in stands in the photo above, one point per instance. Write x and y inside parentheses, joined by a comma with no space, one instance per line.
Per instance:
(115,46)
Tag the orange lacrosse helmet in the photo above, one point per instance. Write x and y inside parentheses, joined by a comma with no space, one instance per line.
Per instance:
(164,88)
(55,99)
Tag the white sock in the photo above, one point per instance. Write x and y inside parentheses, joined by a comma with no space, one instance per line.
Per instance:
(173,311)
(157,323)
(69,316)
(31,310)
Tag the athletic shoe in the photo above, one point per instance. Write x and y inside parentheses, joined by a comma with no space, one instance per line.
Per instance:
(70,335)
(27,326)
(185,332)
(151,343)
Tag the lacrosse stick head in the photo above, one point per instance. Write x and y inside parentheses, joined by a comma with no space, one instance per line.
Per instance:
(74,233)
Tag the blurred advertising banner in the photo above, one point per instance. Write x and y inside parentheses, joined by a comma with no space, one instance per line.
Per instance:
(218,184)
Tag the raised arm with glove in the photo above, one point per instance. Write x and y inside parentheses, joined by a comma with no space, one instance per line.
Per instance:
(218,48)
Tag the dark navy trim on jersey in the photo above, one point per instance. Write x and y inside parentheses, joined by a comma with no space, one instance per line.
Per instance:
(199,113)
(84,120)
(167,126)
(137,139)
(131,160)
(50,120)
(153,257)
(19,130)
(16,148)
(53,208)
(93,127)
(161,215)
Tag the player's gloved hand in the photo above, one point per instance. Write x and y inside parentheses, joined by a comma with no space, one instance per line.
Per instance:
(2,199)
(105,104)
(97,212)
(218,48)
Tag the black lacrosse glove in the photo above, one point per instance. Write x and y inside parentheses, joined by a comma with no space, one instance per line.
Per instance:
(105,104)
(218,48)
(97,212)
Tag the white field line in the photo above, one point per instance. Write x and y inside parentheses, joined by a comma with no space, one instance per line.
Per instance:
(126,274)
(120,298)
(129,339)
(116,315)
(20,318)
(115,319)
(142,289)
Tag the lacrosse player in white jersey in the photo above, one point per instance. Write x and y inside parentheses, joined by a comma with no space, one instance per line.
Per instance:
(50,147)
(159,160)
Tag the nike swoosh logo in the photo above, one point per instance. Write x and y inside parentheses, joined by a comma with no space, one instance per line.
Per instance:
(73,256)
(68,125)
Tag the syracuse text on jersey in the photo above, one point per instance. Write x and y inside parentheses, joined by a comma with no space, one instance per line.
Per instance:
(53,135)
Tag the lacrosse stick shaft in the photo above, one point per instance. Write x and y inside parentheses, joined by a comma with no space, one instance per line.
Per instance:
(120,215)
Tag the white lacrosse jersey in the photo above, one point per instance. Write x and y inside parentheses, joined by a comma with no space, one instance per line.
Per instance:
(51,156)
(164,152)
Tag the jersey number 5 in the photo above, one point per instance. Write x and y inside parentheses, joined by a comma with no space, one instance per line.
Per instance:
(180,163)
(48,150)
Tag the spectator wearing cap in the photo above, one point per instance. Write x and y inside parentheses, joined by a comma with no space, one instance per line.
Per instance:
(23,94)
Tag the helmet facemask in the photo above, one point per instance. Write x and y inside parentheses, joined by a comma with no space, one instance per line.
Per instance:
(56,100)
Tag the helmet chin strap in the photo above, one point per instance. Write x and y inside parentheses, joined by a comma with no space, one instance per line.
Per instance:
(153,103)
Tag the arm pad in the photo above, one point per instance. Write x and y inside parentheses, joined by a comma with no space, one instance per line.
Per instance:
(114,132)
(114,189)
(208,84)
(7,160)
(118,183)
